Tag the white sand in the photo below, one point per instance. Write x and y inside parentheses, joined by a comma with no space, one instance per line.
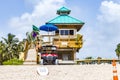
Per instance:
(59,72)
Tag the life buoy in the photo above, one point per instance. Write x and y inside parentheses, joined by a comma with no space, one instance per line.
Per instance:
(42,71)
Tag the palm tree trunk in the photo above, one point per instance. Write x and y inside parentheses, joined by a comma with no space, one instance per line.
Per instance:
(26,49)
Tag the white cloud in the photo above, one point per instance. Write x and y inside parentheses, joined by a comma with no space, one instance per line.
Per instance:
(110,18)
(101,40)
(43,11)
(110,11)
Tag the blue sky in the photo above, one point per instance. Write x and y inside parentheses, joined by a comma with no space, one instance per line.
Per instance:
(101,30)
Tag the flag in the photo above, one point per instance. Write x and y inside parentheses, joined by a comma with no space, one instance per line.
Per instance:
(35,28)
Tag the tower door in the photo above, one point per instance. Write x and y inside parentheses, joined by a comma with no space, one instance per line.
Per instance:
(65,56)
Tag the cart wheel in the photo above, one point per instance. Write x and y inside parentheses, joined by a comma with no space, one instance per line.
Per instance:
(41,61)
(56,62)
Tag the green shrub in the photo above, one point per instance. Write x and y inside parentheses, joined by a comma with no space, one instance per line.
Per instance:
(13,62)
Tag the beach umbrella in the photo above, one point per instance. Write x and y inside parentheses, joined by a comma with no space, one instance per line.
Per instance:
(48,28)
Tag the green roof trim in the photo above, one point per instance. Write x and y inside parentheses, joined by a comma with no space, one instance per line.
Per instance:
(65,19)
(63,9)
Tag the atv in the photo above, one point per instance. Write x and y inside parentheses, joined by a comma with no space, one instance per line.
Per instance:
(49,55)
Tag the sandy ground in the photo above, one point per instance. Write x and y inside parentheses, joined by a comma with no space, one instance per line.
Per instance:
(59,72)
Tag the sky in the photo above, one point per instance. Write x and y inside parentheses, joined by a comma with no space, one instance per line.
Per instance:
(101,31)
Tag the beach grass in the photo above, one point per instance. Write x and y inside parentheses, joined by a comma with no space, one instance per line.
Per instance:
(13,62)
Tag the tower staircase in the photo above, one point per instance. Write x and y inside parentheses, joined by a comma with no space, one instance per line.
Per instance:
(31,57)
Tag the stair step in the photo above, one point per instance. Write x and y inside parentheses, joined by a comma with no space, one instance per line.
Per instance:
(31,57)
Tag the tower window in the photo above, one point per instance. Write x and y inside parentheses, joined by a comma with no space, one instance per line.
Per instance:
(64,32)
(71,32)
(57,32)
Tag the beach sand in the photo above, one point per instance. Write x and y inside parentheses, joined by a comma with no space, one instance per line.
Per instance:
(59,72)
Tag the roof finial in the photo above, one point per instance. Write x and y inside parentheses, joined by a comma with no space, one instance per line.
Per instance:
(63,11)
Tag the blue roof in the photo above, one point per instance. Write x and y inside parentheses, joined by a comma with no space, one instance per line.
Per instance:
(65,19)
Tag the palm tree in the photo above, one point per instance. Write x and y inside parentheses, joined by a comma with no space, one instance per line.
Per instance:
(99,57)
(29,39)
(20,46)
(90,57)
(11,46)
(2,47)
(118,51)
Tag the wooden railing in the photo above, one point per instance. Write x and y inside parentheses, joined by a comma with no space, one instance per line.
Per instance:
(96,61)
(65,41)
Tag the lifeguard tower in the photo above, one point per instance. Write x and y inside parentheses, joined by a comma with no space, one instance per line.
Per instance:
(65,38)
